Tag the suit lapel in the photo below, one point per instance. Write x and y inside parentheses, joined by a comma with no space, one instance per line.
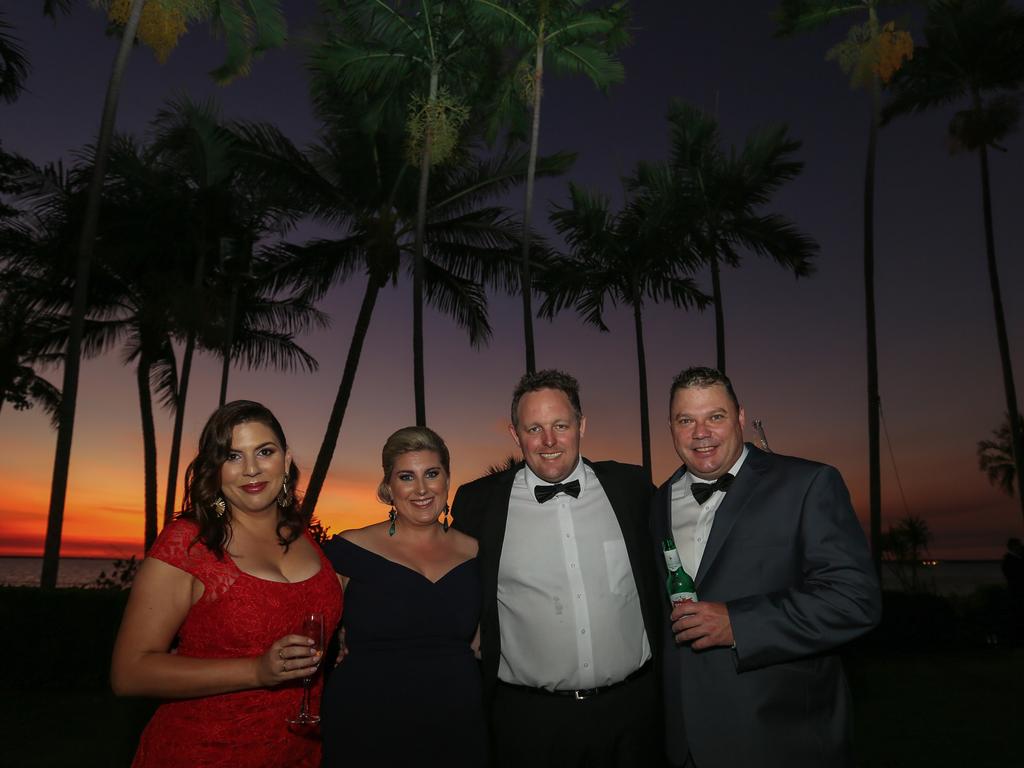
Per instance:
(729,511)
(493,532)
(663,511)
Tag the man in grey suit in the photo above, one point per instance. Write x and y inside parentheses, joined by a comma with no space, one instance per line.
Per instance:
(783,577)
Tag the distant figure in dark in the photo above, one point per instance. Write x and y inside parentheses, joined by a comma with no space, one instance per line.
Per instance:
(1013,570)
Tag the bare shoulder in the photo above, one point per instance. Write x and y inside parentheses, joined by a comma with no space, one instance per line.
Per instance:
(465,545)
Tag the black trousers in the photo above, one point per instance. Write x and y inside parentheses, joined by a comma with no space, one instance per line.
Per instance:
(620,728)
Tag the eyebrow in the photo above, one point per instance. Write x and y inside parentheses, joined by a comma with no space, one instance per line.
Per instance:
(712,412)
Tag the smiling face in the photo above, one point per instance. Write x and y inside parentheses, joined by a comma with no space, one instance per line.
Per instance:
(707,430)
(548,433)
(252,475)
(419,487)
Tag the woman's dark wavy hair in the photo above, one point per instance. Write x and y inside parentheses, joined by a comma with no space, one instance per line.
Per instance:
(202,478)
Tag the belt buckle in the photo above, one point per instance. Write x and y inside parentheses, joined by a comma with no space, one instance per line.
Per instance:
(581,695)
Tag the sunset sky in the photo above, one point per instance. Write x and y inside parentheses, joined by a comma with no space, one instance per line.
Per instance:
(795,348)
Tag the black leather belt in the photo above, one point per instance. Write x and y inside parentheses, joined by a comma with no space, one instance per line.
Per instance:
(582,693)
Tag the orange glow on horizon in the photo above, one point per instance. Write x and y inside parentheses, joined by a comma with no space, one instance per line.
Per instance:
(99,525)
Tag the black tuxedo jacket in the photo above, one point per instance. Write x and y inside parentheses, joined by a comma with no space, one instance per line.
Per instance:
(790,560)
(480,509)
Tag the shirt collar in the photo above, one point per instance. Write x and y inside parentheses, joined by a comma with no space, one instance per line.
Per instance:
(687,479)
(579,473)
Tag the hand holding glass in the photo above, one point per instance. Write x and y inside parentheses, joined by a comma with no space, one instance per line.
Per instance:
(313,628)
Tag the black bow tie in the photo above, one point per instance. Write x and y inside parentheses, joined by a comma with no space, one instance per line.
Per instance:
(545,492)
(702,491)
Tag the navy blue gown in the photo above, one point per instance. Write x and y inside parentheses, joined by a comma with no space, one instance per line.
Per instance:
(408,692)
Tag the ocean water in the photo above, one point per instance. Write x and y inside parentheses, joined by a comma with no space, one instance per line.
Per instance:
(73,571)
(947,577)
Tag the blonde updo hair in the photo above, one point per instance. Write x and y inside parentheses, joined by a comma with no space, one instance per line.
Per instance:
(407,440)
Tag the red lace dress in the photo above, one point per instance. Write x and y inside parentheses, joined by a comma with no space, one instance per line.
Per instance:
(238,615)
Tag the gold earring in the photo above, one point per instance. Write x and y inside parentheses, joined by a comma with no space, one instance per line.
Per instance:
(285,496)
(220,507)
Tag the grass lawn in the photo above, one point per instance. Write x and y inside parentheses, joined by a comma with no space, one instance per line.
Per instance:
(961,709)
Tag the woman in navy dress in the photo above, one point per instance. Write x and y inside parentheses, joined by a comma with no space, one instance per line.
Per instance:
(408,690)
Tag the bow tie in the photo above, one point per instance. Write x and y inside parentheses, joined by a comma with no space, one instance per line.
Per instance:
(545,492)
(702,491)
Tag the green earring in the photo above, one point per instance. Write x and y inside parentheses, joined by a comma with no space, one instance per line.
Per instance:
(392,515)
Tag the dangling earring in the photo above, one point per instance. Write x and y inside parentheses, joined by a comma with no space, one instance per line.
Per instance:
(220,507)
(392,515)
(285,497)
(445,513)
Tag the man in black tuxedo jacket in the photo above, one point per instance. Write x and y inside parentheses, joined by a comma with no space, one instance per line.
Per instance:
(571,611)
(783,577)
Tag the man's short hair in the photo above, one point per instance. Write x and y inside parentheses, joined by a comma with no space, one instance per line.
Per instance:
(547,379)
(702,378)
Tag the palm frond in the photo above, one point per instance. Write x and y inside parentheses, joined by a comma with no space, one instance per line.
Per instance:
(461,299)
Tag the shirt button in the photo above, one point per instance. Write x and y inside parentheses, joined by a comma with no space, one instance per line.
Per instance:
(699,539)
(572,565)
(583,631)
(586,665)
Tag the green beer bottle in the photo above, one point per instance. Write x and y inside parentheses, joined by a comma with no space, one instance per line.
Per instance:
(680,585)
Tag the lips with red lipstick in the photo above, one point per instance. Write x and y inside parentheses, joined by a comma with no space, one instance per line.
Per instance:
(254,487)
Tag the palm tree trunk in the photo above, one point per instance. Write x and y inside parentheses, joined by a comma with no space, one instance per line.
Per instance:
(148,447)
(72,356)
(419,386)
(183,380)
(1016,438)
(874,460)
(716,292)
(641,362)
(525,280)
(330,442)
(229,340)
(179,426)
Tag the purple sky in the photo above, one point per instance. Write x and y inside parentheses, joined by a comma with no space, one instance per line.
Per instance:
(795,349)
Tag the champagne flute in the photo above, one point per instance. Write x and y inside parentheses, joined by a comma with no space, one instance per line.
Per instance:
(312,627)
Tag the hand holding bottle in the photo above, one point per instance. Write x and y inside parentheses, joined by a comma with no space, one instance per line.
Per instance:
(679,584)
(703,625)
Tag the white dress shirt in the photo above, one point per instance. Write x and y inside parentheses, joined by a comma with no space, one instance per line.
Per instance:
(691,522)
(568,610)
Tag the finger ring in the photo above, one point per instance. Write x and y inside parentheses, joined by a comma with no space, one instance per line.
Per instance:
(280,653)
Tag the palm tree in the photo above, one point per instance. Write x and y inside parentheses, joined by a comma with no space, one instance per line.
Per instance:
(359,180)
(27,330)
(416,56)
(146,286)
(974,52)
(228,203)
(995,457)
(261,330)
(33,291)
(616,258)
(14,66)
(871,54)
(565,37)
(237,22)
(905,544)
(717,199)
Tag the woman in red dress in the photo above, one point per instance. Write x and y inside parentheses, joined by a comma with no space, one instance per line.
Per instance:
(230,578)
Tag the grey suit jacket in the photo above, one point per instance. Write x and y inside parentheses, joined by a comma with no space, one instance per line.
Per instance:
(790,560)
(480,509)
